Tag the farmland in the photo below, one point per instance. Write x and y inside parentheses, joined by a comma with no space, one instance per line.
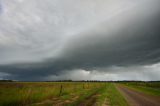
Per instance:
(71,93)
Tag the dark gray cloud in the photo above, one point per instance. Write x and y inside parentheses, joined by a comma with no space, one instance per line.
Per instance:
(1,8)
(117,42)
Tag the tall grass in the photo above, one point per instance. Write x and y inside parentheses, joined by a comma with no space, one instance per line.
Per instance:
(24,93)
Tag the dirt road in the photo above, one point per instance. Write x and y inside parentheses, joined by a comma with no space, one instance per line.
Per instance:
(136,98)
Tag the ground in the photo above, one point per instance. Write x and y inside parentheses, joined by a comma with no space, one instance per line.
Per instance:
(79,94)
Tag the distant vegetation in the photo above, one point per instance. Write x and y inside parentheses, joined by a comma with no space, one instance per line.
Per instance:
(6,81)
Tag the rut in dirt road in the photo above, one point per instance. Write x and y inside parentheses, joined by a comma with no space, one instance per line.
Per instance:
(136,98)
(90,101)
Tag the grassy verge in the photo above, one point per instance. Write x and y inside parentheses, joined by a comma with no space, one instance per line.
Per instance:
(111,96)
(146,90)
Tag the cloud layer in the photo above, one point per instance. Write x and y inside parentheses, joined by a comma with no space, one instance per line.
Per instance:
(105,40)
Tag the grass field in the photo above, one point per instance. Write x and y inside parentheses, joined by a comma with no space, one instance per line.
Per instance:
(68,93)
(23,93)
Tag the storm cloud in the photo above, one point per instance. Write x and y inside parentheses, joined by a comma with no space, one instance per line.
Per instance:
(80,40)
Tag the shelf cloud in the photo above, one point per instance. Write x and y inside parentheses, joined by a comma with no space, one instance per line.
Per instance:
(80,40)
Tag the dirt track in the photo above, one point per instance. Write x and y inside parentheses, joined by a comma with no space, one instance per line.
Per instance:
(135,98)
(90,101)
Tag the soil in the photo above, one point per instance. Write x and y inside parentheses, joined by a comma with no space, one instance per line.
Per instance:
(56,102)
(90,101)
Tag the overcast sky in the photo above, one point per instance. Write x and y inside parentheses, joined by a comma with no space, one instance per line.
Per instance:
(80,39)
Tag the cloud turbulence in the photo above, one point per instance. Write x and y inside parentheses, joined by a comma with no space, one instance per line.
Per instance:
(80,39)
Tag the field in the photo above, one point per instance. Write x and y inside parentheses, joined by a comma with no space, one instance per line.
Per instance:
(73,93)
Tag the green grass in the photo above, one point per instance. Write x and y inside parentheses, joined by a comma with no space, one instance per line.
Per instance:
(111,95)
(102,98)
(146,90)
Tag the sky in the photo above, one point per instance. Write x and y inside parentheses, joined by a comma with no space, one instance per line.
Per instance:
(44,40)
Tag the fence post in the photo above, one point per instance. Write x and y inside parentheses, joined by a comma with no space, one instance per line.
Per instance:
(60,90)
